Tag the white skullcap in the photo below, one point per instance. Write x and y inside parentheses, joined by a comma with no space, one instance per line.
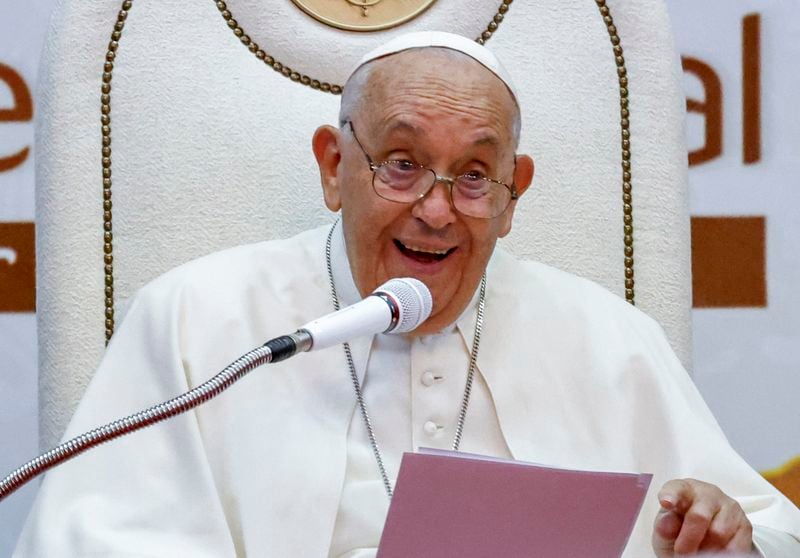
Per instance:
(422,39)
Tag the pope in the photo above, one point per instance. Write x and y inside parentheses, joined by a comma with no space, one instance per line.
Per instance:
(424,171)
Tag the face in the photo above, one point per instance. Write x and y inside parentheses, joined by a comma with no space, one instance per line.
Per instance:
(449,114)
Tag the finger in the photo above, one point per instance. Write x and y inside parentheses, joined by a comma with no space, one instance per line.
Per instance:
(723,527)
(665,530)
(742,541)
(676,495)
(695,525)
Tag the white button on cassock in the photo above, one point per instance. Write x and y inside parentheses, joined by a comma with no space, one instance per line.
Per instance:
(430,428)
(428,379)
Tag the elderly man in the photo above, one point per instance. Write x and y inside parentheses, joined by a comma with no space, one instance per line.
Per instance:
(292,462)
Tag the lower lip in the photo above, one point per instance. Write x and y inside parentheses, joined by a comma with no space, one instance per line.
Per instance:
(423,267)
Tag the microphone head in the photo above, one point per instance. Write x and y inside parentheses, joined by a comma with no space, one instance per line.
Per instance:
(413,299)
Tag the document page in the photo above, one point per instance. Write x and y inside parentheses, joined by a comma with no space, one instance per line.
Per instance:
(452,504)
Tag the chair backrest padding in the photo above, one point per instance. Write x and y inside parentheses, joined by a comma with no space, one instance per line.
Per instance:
(211,148)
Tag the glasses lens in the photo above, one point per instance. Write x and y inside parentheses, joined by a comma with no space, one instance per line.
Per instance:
(479,197)
(402,181)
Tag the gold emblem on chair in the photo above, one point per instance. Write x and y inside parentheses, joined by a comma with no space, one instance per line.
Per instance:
(363,15)
(404,10)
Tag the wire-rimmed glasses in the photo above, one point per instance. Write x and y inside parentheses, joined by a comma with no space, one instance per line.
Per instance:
(471,194)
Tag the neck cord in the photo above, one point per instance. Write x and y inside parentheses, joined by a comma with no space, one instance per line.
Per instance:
(462,415)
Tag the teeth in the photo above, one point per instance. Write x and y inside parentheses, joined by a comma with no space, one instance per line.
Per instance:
(424,251)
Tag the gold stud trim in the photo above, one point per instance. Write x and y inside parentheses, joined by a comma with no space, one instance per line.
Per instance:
(309,81)
(105,133)
(106,149)
(625,144)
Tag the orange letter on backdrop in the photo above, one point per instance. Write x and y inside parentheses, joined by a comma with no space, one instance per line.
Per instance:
(20,111)
(711,108)
(751,89)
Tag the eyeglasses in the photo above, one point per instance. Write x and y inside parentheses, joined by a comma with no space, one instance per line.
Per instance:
(471,194)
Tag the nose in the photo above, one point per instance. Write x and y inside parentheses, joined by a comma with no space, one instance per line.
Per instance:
(435,208)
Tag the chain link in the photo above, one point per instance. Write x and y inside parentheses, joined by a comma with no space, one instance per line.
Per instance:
(462,415)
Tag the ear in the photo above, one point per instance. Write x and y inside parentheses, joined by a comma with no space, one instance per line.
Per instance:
(523,176)
(326,145)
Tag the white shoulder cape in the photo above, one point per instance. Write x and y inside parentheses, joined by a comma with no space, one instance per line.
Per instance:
(579,379)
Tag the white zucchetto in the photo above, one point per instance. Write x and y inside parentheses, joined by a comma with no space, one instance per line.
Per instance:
(422,39)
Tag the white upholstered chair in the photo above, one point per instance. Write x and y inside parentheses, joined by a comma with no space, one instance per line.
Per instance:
(210,147)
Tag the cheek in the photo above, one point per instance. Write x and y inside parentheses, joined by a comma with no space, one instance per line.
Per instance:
(367,226)
(369,221)
(483,236)
(482,240)
(505,223)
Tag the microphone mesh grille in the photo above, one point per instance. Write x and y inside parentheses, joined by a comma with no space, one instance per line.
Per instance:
(414,299)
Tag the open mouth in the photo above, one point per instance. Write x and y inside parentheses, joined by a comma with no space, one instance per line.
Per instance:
(423,255)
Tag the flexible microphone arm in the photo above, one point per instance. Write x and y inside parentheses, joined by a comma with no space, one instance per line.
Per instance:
(398,306)
(273,351)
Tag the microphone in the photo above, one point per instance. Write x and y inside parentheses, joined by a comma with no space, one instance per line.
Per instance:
(398,306)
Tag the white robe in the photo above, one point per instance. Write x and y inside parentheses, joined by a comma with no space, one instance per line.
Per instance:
(413,389)
(579,379)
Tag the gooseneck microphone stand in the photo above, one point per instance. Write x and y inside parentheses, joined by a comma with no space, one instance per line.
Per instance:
(275,350)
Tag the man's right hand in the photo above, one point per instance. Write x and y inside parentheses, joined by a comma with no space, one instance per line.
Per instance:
(695,517)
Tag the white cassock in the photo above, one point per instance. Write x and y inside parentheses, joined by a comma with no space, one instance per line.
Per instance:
(280,465)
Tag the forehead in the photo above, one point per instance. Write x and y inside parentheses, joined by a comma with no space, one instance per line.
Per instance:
(436,87)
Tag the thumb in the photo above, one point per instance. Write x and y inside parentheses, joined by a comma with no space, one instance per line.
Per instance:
(665,530)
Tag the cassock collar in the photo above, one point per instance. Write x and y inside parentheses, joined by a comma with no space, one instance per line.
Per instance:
(490,360)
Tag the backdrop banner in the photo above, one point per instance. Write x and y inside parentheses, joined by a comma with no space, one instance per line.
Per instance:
(740,67)
(22,29)
(741,78)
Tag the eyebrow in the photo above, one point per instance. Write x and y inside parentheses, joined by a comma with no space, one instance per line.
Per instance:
(487,140)
(404,126)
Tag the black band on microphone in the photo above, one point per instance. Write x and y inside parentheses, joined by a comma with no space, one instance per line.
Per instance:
(282,347)
(393,305)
